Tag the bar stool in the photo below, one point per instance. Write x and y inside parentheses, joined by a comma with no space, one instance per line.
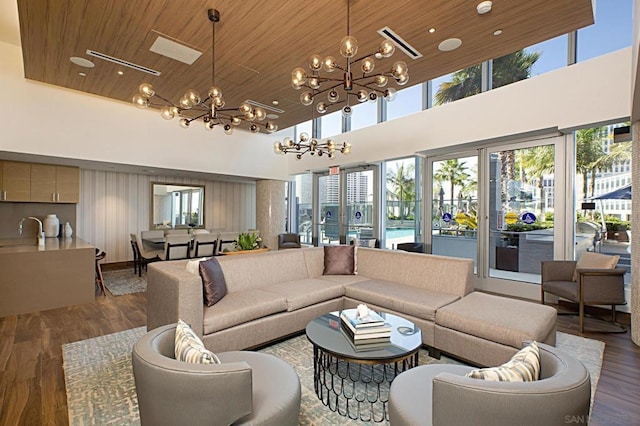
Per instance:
(100,255)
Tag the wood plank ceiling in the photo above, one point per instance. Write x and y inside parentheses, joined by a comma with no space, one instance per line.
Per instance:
(258,43)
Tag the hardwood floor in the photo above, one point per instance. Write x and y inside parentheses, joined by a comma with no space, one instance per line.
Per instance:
(32,390)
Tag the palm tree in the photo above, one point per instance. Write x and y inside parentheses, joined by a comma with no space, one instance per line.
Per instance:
(537,162)
(589,150)
(403,185)
(506,69)
(454,172)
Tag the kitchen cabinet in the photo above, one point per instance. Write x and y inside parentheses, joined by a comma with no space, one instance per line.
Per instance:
(16,181)
(43,183)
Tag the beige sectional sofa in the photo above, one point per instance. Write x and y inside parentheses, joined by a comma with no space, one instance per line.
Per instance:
(273,295)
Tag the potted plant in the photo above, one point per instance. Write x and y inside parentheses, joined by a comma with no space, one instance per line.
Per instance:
(247,241)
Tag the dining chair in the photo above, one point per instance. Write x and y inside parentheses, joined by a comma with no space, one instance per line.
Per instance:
(144,256)
(227,240)
(176,246)
(197,231)
(204,245)
(135,254)
(100,255)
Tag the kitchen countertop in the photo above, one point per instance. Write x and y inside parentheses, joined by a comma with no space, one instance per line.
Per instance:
(28,245)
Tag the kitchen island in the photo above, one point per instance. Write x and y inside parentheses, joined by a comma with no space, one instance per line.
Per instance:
(33,278)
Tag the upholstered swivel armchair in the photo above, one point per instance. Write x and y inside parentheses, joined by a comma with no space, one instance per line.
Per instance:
(246,388)
(286,241)
(584,287)
(440,394)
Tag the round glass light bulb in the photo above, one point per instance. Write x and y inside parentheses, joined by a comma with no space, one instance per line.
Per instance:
(386,48)
(185,103)
(140,101)
(278,148)
(298,76)
(193,96)
(215,92)
(346,112)
(321,107)
(244,108)
(271,127)
(362,95)
(304,137)
(348,46)
(218,102)
(404,79)
(314,82)
(184,123)
(330,64)
(367,65)
(399,68)
(208,125)
(146,90)
(288,142)
(236,121)
(167,113)
(373,96)
(390,94)
(249,116)
(315,62)
(254,128)
(381,80)
(228,129)
(306,98)
(333,96)
(260,114)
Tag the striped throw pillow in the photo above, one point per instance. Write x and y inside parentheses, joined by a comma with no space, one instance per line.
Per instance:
(189,347)
(524,366)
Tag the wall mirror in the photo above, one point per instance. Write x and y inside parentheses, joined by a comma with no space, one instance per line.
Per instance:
(177,206)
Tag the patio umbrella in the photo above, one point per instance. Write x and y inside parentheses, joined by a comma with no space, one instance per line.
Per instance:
(622,193)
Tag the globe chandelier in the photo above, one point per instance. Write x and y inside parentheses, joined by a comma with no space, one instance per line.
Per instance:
(323,90)
(210,110)
(311,145)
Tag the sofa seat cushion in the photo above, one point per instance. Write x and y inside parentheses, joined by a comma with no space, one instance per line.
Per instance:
(307,292)
(240,307)
(410,300)
(499,319)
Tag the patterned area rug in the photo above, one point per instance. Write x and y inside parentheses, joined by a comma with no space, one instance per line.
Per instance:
(101,390)
(124,281)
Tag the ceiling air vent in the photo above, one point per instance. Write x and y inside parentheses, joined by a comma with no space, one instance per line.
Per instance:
(390,35)
(122,62)
(264,106)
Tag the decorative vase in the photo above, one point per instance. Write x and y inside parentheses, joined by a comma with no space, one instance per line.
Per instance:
(51,226)
(68,230)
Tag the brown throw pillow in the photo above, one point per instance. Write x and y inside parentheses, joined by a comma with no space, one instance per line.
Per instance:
(339,260)
(214,285)
(590,260)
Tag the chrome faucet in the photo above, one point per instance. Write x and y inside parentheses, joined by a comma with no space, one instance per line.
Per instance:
(40,232)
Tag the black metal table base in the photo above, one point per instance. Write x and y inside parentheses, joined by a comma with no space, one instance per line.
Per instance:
(357,390)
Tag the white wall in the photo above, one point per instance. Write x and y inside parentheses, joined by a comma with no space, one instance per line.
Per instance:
(42,119)
(113,205)
(589,92)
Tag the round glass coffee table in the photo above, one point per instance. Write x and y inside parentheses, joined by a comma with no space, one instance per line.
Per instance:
(355,383)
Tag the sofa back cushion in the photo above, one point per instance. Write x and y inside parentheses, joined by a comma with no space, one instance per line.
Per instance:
(435,273)
(256,270)
(314,259)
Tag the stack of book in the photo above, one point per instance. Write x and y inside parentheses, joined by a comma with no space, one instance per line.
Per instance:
(365,333)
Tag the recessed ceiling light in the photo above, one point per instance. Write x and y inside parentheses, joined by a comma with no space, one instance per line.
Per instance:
(275,102)
(450,44)
(497,32)
(432,30)
(272,116)
(484,7)
(120,72)
(81,74)
(82,62)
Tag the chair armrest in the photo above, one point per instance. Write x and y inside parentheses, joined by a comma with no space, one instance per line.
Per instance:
(602,286)
(601,272)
